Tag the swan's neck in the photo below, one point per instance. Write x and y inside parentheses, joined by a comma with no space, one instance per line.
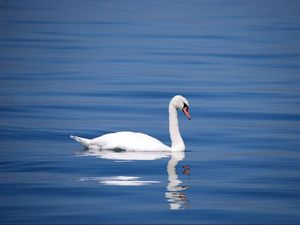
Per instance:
(177,142)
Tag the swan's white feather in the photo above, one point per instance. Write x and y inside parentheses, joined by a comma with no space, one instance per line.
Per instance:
(128,141)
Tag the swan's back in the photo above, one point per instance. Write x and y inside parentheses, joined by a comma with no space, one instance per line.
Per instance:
(126,140)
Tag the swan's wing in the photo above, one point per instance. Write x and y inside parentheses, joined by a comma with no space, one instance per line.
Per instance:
(129,141)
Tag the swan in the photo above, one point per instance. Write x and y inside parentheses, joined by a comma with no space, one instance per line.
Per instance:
(132,141)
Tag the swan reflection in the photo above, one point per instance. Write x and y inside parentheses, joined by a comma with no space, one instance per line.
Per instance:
(174,194)
(119,180)
(124,155)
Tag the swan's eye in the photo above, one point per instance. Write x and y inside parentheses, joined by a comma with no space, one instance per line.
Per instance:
(185,109)
(185,106)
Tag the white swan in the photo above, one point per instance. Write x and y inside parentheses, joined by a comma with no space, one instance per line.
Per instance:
(131,141)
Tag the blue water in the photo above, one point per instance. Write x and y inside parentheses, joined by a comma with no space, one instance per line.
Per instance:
(91,67)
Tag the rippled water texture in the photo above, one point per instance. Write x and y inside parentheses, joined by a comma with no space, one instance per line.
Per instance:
(91,67)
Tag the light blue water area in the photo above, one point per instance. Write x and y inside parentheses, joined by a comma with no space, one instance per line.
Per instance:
(91,67)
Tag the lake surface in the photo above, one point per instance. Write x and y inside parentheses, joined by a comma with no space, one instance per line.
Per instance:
(91,67)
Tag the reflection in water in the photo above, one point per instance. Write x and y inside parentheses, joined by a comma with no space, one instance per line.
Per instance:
(124,155)
(119,180)
(175,196)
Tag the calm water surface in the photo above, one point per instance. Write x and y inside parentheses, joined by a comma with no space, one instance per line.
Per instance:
(91,67)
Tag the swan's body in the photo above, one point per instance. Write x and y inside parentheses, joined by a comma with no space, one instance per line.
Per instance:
(132,141)
(124,140)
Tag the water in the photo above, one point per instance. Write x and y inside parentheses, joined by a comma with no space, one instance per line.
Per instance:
(91,67)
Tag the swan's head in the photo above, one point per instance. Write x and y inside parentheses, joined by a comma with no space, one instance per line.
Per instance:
(180,102)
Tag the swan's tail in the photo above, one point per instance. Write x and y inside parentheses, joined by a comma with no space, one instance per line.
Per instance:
(83,141)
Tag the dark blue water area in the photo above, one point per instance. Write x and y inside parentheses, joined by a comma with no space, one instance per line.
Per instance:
(92,67)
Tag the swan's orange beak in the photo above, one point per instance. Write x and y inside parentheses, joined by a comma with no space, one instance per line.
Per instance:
(186,112)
